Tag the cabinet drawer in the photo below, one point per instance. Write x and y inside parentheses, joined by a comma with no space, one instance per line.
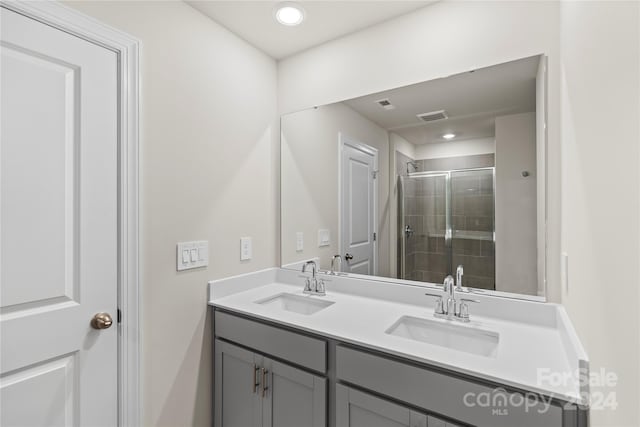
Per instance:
(295,348)
(456,398)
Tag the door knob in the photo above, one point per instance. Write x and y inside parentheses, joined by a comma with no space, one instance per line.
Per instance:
(348,257)
(101,321)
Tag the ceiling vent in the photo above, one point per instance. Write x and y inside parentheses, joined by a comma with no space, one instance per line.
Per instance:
(433,116)
(386,104)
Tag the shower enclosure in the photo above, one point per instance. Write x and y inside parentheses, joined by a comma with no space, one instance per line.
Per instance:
(445,219)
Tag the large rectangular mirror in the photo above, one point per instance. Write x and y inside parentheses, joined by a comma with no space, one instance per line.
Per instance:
(412,182)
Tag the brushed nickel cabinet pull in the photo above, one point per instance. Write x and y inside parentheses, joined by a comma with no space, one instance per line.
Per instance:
(264,382)
(254,386)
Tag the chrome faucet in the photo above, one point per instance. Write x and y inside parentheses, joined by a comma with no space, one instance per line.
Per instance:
(333,260)
(447,306)
(312,285)
(450,293)
(459,274)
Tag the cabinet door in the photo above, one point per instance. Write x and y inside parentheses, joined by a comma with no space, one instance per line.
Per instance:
(293,398)
(357,409)
(236,395)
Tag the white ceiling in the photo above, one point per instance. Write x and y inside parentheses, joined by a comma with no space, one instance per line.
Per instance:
(325,20)
(472,101)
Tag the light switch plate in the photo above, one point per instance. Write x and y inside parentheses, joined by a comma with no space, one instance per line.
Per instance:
(246,250)
(299,241)
(323,238)
(192,255)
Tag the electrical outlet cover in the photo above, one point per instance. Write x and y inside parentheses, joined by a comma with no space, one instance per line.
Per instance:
(246,250)
(299,241)
(323,238)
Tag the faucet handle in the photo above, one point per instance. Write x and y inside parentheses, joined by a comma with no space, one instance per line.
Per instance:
(439,304)
(320,288)
(307,285)
(433,295)
(463,310)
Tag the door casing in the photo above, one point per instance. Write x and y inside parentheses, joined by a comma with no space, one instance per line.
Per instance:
(127,48)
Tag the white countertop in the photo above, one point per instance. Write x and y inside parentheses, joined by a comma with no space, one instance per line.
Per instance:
(535,339)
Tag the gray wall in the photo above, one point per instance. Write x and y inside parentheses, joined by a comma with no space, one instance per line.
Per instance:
(516,204)
(601,194)
(209,130)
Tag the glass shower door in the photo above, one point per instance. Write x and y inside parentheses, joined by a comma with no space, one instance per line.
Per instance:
(473,226)
(423,224)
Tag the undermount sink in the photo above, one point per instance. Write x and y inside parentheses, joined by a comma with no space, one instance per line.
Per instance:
(462,338)
(296,303)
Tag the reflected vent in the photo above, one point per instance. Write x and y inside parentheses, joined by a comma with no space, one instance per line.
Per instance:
(385,103)
(433,116)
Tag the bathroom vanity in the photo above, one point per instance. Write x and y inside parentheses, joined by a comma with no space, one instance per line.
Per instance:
(371,353)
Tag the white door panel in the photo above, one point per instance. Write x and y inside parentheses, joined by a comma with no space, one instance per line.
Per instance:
(359,175)
(58,224)
(34,184)
(359,164)
(55,378)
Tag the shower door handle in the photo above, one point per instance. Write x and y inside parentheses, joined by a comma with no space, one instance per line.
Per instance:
(408,231)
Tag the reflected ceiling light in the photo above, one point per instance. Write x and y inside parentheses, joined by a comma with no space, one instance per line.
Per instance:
(289,14)
(449,135)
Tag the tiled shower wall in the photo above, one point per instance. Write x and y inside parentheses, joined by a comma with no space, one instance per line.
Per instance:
(402,163)
(426,257)
(425,211)
(473,225)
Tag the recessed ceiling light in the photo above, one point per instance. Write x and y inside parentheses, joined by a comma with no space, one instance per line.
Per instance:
(449,135)
(289,14)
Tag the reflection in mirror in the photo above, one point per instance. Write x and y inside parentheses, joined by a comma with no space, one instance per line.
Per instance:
(413,182)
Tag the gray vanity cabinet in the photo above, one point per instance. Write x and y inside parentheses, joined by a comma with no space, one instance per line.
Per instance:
(271,376)
(294,398)
(255,391)
(453,396)
(238,401)
(265,376)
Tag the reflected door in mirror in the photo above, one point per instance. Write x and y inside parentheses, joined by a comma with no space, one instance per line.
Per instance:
(358,207)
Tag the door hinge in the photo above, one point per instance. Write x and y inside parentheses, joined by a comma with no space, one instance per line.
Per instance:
(375,236)
(375,174)
(119,316)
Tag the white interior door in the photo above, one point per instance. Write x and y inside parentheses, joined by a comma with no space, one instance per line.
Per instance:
(358,213)
(58,211)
